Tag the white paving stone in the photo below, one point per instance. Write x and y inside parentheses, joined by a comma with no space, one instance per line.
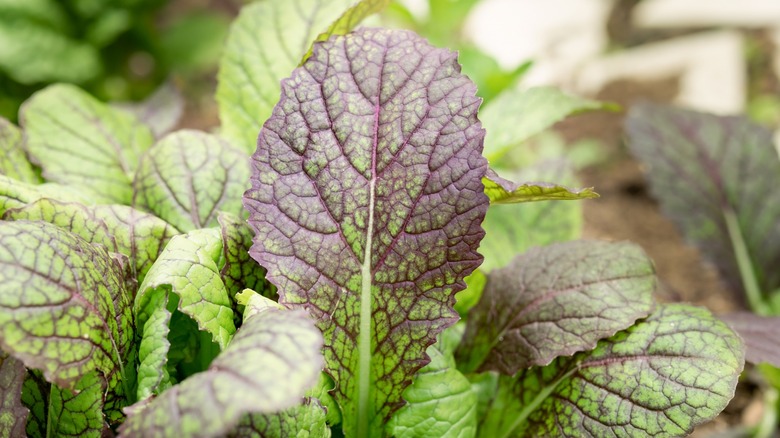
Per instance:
(710,66)
(706,13)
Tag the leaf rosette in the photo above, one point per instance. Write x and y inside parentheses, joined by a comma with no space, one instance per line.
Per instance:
(367,200)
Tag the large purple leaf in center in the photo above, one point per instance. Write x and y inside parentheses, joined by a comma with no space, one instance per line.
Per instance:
(367,200)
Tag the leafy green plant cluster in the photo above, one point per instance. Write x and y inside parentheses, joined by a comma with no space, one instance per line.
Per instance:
(114,48)
(135,298)
(716,178)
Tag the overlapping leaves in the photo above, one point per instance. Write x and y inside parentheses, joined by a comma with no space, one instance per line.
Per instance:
(716,178)
(273,359)
(267,41)
(661,377)
(367,199)
(554,301)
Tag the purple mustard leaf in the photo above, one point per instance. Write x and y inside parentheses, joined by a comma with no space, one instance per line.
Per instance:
(716,178)
(554,301)
(367,200)
(13,414)
(760,334)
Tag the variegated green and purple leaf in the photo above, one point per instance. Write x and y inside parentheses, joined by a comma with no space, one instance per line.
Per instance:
(555,301)
(716,178)
(84,143)
(13,414)
(139,236)
(13,158)
(188,177)
(661,377)
(35,396)
(64,307)
(268,366)
(17,194)
(367,200)
(266,42)
(193,287)
(185,278)
(307,419)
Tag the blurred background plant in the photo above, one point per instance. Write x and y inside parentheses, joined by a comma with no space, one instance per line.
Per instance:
(117,50)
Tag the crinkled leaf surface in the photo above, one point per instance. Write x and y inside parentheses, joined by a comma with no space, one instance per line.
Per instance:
(267,41)
(64,308)
(760,334)
(16,194)
(35,396)
(661,377)
(78,413)
(161,111)
(503,191)
(704,168)
(189,268)
(13,159)
(13,414)
(267,367)
(440,401)
(517,115)
(367,200)
(554,301)
(240,271)
(138,235)
(189,176)
(514,228)
(306,420)
(85,143)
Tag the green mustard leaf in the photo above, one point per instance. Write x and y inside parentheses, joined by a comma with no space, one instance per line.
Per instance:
(189,269)
(13,158)
(517,115)
(514,228)
(554,301)
(13,414)
(161,111)
(35,396)
(78,413)
(16,194)
(348,20)
(266,42)
(139,236)
(268,366)
(717,179)
(502,191)
(240,270)
(367,200)
(661,377)
(306,420)
(188,176)
(440,401)
(84,143)
(322,392)
(64,308)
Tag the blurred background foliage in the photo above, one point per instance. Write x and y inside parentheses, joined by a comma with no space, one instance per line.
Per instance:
(118,50)
(122,50)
